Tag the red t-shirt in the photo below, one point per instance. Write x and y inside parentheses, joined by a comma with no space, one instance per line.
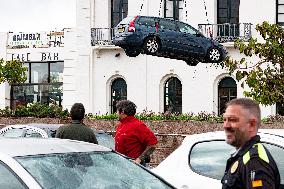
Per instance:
(132,137)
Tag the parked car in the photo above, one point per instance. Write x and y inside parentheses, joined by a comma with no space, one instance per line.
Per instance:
(43,130)
(29,163)
(199,162)
(166,38)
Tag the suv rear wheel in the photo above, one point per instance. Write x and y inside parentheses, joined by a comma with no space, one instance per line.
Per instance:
(151,45)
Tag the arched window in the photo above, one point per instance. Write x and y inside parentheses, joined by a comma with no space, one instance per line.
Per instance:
(227,90)
(119,10)
(118,92)
(173,95)
(280,109)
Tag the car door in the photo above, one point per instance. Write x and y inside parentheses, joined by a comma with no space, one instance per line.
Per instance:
(168,34)
(191,39)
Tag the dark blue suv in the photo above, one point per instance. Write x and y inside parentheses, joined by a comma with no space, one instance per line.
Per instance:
(166,38)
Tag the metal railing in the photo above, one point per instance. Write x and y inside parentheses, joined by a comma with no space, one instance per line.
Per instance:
(226,32)
(220,32)
(101,36)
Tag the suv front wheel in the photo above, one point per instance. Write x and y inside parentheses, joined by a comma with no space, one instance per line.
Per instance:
(151,45)
(214,55)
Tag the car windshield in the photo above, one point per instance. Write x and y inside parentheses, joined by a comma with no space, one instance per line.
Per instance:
(104,170)
(13,132)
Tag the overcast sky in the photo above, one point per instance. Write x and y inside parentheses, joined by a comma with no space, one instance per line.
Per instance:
(36,15)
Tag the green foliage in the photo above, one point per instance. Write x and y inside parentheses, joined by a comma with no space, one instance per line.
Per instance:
(35,110)
(12,72)
(273,119)
(266,76)
(151,116)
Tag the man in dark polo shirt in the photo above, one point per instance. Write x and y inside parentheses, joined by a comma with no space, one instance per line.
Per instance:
(133,138)
(77,130)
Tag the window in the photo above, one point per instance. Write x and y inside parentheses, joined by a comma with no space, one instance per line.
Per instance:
(173,95)
(186,29)
(227,90)
(173,9)
(119,10)
(280,12)
(9,179)
(146,21)
(209,158)
(44,84)
(167,24)
(118,92)
(276,152)
(228,12)
(280,109)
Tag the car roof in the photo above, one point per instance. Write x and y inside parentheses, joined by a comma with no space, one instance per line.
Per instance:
(221,134)
(34,146)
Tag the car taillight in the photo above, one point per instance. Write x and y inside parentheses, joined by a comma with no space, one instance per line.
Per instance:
(131,27)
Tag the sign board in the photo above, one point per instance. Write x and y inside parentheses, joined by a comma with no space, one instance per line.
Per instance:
(35,40)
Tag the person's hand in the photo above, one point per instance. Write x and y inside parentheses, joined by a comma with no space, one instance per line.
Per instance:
(137,160)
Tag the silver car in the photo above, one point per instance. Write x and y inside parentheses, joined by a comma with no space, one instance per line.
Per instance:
(37,163)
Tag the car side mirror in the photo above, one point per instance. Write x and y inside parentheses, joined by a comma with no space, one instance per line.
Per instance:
(198,35)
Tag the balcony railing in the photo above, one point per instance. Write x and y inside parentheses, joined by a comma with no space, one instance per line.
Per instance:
(226,32)
(220,32)
(101,36)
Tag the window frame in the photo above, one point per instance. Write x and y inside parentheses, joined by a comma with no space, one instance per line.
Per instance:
(278,4)
(176,9)
(29,82)
(175,93)
(20,181)
(121,97)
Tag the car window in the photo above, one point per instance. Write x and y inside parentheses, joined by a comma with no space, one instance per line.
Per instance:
(33,134)
(278,154)
(146,21)
(209,158)
(126,20)
(167,24)
(105,139)
(9,179)
(186,28)
(14,132)
(89,170)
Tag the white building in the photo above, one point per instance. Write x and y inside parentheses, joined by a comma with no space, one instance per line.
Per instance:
(99,74)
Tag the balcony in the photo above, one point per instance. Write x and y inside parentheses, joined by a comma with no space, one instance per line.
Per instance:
(101,36)
(226,32)
(220,32)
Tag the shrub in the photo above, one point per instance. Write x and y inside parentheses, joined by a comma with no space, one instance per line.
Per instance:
(35,110)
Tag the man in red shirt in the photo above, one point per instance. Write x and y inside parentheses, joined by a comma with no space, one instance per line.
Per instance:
(133,138)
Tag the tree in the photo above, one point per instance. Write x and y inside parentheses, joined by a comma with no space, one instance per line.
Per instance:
(266,76)
(12,71)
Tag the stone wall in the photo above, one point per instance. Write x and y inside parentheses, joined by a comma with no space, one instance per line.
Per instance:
(169,133)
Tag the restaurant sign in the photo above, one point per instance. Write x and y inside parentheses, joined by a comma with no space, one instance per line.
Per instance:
(35,40)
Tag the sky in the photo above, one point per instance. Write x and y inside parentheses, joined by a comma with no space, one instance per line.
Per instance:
(36,15)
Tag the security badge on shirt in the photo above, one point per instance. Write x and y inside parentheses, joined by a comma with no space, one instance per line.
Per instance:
(255,183)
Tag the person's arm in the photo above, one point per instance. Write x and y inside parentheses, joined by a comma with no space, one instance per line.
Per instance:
(95,141)
(58,132)
(147,152)
(260,174)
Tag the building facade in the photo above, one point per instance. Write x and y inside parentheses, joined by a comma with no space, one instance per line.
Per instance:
(98,74)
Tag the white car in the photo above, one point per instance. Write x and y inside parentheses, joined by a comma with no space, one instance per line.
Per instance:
(200,161)
(36,163)
(44,130)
